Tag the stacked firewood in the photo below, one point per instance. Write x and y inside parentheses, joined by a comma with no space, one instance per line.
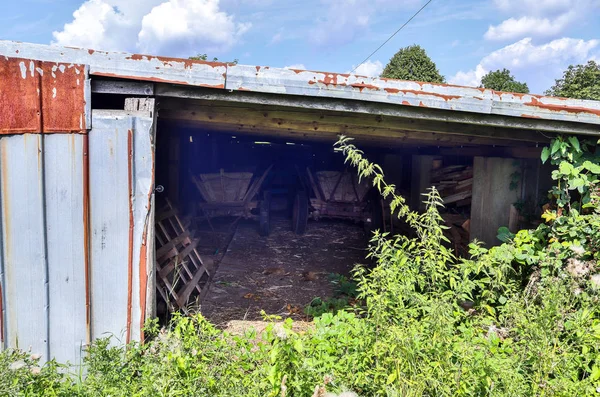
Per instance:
(455,184)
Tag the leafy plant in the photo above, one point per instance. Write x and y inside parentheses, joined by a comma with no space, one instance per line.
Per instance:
(502,80)
(412,63)
(578,81)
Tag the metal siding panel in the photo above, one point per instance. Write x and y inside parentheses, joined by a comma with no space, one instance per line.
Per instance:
(63,88)
(19,96)
(38,96)
(23,233)
(143,187)
(63,162)
(109,222)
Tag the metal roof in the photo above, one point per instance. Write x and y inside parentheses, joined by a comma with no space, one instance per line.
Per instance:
(261,79)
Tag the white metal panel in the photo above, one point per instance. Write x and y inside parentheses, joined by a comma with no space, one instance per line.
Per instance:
(109,224)
(63,171)
(24,246)
(121,154)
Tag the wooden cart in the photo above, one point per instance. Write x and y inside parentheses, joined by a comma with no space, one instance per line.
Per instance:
(235,194)
(333,194)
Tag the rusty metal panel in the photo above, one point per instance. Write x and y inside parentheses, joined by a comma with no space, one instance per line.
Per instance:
(25,278)
(63,171)
(20,107)
(123,65)
(38,96)
(63,88)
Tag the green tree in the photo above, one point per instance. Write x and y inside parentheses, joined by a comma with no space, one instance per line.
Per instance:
(204,57)
(502,80)
(579,82)
(413,63)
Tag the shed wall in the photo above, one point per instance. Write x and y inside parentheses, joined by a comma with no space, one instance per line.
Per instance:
(56,298)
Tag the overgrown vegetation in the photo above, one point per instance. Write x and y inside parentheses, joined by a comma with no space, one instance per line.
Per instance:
(521,319)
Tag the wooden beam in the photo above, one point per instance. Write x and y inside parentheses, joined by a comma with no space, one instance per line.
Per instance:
(249,114)
(329,132)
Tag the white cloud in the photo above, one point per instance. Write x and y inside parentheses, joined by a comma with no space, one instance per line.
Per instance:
(539,18)
(345,20)
(538,65)
(296,66)
(369,69)
(169,27)
(538,7)
(183,26)
(513,28)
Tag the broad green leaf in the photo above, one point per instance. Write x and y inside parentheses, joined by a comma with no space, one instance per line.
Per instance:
(588,165)
(555,146)
(565,168)
(575,143)
(545,154)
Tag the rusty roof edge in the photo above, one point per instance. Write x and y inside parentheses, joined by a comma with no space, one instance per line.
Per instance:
(314,84)
(411,93)
(125,65)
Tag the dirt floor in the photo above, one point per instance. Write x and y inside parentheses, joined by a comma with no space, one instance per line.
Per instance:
(282,273)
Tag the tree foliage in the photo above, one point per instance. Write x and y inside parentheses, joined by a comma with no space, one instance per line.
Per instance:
(579,82)
(502,80)
(413,63)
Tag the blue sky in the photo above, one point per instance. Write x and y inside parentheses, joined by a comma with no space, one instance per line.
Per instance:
(535,39)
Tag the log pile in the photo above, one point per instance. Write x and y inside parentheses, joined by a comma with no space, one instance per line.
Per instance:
(455,184)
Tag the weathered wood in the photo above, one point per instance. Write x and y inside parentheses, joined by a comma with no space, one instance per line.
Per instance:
(122,87)
(517,124)
(341,123)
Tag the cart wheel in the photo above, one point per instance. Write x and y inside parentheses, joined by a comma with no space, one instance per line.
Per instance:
(300,214)
(265,215)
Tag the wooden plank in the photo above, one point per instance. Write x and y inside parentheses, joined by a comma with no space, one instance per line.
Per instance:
(307,129)
(193,283)
(172,244)
(245,114)
(173,262)
(456,197)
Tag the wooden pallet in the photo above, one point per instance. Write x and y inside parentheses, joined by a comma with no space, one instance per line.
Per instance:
(182,275)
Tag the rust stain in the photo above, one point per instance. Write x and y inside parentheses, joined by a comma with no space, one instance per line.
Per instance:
(406,103)
(63,97)
(530,116)
(20,110)
(392,90)
(311,82)
(144,258)
(257,68)
(362,86)
(168,61)
(130,256)
(562,108)
(435,94)
(86,236)
(157,80)
(90,51)
(421,104)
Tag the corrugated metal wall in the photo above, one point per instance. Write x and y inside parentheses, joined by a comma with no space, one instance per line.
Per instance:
(76,227)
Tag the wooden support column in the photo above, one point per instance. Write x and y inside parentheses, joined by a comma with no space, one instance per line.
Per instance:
(420,180)
(492,197)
